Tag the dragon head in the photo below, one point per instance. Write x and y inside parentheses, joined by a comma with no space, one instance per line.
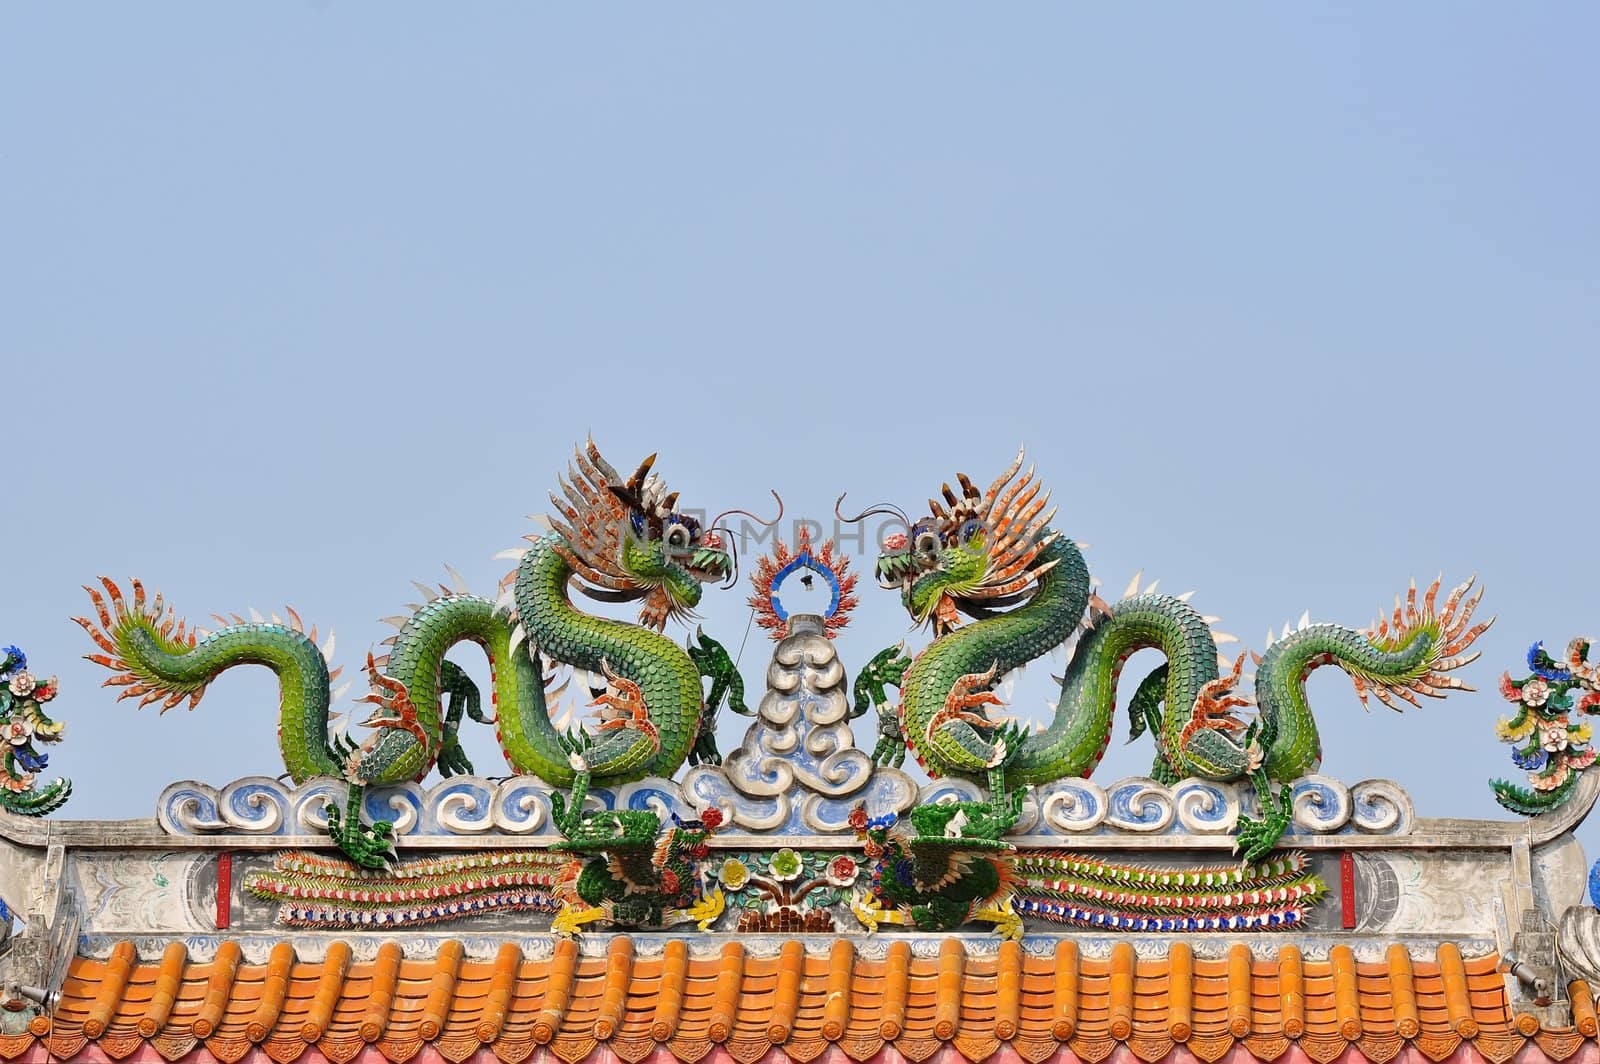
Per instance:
(975,552)
(626,539)
(663,547)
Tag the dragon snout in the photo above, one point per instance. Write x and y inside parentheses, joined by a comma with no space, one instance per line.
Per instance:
(895,569)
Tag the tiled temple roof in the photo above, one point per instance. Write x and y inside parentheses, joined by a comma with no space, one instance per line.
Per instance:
(796,1005)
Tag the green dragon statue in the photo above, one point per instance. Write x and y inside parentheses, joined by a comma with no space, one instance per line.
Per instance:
(617,539)
(992,556)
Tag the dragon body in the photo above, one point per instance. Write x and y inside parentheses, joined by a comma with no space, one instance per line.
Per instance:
(992,556)
(616,539)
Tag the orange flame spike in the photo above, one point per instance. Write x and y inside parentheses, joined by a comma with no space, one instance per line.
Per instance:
(99,606)
(115,594)
(101,639)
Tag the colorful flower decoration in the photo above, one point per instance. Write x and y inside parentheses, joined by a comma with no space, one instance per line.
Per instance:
(733,874)
(773,569)
(842,871)
(786,865)
(1546,744)
(24,723)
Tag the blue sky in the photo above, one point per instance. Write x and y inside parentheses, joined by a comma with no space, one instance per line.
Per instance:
(1290,304)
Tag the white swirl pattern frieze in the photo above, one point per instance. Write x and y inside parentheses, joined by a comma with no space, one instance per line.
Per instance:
(473,805)
(462,805)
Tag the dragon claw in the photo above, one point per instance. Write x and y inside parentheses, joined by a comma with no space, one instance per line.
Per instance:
(1254,839)
(369,846)
(1004,917)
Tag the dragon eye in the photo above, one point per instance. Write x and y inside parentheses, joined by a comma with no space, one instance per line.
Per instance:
(927,542)
(677,536)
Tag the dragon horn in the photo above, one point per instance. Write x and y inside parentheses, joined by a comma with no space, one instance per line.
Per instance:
(636,482)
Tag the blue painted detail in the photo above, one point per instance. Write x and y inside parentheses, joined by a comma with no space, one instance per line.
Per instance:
(1594,884)
(805,560)
(1555,675)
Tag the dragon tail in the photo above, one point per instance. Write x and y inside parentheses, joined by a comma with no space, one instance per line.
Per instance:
(156,657)
(1414,651)
(1434,644)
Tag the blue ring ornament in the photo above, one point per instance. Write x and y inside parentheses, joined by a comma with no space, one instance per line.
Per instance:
(804,560)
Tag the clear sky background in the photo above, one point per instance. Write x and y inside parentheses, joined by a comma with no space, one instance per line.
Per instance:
(1290,304)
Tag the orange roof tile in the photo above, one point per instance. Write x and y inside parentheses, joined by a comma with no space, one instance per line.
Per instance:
(1018,1003)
